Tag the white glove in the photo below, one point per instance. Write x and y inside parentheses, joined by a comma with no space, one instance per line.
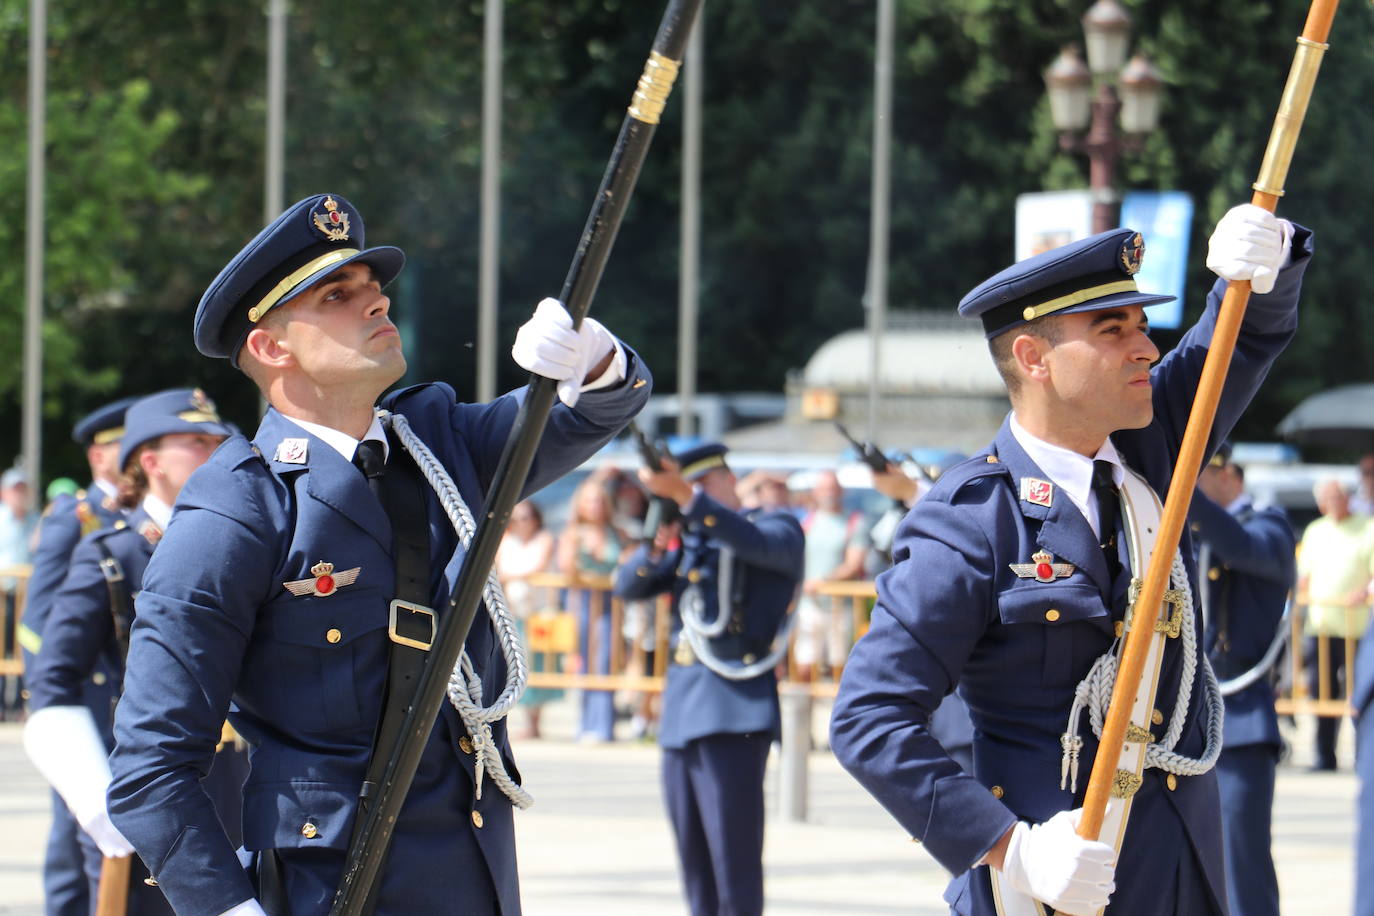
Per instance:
(1053,864)
(1250,243)
(63,743)
(547,345)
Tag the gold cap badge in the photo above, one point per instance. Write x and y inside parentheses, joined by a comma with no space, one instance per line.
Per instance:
(333,222)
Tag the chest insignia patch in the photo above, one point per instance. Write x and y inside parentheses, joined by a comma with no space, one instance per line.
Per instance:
(292,451)
(150,531)
(325,582)
(1042,568)
(1037,492)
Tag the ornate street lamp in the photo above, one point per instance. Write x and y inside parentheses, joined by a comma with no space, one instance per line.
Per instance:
(1088,124)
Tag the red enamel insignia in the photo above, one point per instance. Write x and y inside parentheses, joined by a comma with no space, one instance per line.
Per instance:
(1036,491)
(325,582)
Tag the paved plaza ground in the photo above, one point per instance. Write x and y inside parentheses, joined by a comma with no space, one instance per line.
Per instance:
(596,840)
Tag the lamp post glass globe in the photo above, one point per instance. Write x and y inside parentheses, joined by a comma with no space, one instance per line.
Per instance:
(1070,89)
(1107,29)
(1141,87)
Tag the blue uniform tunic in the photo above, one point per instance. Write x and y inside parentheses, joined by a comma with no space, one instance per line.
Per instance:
(1362,699)
(952,612)
(716,732)
(79,642)
(1248,577)
(66,520)
(306,674)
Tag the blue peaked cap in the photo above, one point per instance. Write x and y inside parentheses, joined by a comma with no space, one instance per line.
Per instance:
(313,238)
(696,461)
(1091,274)
(102,425)
(177,410)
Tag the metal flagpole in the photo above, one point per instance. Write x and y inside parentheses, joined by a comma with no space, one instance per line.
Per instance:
(689,257)
(488,280)
(274,168)
(32,435)
(880,207)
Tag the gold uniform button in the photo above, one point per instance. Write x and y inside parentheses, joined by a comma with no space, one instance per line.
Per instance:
(1052,615)
(465,744)
(150,881)
(709,521)
(749,658)
(1171,781)
(309,830)
(992,459)
(477,819)
(1157,717)
(98,678)
(998,792)
(694,575)
(1214,574)
(1120,628)
(642,571)
(333,635)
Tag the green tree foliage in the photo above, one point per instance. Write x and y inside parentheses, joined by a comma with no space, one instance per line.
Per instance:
(156,150)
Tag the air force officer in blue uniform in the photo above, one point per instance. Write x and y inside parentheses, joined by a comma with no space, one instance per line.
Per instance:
(972,602)
(1247,566)
(64,523)
(271,589)
(168,436)
(735,574)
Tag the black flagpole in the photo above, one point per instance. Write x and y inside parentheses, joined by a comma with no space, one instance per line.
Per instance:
(372,840)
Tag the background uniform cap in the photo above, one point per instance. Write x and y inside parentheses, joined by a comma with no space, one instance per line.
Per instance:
(313,238)
(696,461)
(177,410)
(102,425)
(1083,276)
(13,477)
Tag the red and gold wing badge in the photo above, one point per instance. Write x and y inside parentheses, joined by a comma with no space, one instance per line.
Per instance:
(324,581)
(1042,568)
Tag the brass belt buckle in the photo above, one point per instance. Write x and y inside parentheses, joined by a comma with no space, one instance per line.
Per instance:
(413,620)
(110,569)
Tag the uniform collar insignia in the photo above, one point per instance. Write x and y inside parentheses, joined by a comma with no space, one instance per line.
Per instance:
(1042,567)
(292,451)
(1037,492)
(324,581)
(150,531)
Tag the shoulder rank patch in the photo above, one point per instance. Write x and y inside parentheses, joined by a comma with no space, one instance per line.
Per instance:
(150,531)
(292,451)
(1037,492)
(1042,568)
(325,581)
(87,518)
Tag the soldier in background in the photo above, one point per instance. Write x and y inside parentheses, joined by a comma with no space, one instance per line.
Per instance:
(66,520)
(1246,562)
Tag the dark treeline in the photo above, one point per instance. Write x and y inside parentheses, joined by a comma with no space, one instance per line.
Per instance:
(156,147)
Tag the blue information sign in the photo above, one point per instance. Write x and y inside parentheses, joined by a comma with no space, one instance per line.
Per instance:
(1164,218)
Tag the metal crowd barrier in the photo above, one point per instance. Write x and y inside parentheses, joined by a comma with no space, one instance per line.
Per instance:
(14,583)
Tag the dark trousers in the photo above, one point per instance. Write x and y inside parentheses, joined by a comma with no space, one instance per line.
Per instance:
(64,880)
(1327,726)
(1245,776)
(714,792)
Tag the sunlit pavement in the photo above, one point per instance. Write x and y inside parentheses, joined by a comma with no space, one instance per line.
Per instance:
(596,840)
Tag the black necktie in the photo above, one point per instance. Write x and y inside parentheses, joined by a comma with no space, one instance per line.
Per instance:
(370,458)
(1108,508)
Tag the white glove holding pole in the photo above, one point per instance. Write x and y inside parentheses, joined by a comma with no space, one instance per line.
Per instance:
(547,345)
(63,743)
(1250,243)
(1053,864)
